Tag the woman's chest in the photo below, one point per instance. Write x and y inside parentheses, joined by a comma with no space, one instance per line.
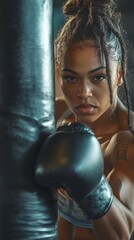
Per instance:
(108,152)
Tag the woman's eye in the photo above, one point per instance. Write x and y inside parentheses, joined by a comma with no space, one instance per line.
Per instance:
(70,79)
(100,78)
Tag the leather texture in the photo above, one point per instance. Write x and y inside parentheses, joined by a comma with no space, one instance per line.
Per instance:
(72,158)
(27,212)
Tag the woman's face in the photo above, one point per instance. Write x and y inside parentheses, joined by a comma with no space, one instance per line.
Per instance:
(84,83)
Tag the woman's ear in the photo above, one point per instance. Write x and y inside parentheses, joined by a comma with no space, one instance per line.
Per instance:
(120,78)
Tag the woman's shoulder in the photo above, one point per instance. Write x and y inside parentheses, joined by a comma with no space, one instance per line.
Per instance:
(123,135)
(61,107)
(63,113)
(121,146)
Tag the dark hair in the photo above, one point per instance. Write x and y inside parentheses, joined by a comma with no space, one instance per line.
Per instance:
(97,21)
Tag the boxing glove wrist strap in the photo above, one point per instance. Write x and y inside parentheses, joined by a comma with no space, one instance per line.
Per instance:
(98,202)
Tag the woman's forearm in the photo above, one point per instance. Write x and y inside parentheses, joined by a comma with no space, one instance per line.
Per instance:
(116,224)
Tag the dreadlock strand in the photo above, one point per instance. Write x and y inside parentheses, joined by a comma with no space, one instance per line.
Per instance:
(123,65)
(106,54)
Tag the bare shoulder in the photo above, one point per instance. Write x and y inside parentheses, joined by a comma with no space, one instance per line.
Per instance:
(61,107)
(63,113)
(121,178)
(122,144)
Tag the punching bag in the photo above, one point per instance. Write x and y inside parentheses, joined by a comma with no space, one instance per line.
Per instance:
(27,212)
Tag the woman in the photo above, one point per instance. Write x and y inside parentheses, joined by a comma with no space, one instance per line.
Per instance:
(91,64)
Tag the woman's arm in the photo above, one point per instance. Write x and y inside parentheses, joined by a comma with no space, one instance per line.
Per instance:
(118,223)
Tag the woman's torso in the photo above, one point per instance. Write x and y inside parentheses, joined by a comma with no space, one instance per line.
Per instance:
(115,147)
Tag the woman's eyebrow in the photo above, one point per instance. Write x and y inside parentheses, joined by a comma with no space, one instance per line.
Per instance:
(68,70)
(97,69)
(91,71)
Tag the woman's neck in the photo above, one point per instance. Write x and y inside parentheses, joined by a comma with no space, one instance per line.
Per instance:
(112,121)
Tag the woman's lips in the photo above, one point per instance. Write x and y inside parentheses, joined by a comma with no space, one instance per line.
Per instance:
(86,109)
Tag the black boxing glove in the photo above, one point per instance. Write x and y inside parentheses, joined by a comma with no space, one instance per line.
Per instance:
(72,158)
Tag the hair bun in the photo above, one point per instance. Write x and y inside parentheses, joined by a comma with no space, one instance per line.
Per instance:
(71,7)
(99,7)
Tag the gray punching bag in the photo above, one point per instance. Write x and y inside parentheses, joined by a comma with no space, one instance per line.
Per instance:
(27,212)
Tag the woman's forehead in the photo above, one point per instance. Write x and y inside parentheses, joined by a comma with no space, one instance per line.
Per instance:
(82,53)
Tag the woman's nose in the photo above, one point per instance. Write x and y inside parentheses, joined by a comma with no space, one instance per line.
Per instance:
(84,90)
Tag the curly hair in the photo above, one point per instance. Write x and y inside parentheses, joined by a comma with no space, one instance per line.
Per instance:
(100,23)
